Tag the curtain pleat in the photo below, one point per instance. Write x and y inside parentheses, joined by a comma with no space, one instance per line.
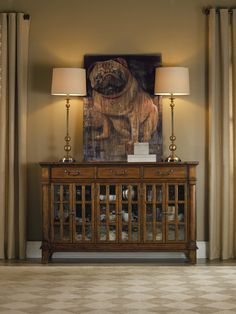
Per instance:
(224,53)
(222,118)
(13,106)
(234,124)
(214,139)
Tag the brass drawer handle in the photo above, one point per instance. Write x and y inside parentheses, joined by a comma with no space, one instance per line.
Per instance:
(119,172)
(165,173)
(72,172)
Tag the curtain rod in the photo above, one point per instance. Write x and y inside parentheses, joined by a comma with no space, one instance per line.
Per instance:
(207,10)
(26,16)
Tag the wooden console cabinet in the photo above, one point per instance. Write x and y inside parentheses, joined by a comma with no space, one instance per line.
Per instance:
(119,207)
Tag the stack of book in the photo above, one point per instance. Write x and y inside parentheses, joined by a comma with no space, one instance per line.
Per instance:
(141,154)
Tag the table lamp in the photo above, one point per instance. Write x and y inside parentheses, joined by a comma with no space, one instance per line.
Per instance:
(68,82)
(172,81)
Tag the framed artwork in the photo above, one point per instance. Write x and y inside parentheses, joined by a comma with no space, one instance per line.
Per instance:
(121,108)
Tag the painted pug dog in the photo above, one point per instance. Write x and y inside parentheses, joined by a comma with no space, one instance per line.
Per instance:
(121,101)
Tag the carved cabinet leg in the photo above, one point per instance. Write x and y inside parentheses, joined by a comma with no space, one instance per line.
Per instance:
(45,256)
(46,253)
(192,256)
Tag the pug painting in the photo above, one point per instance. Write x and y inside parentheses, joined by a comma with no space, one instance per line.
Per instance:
(121,111)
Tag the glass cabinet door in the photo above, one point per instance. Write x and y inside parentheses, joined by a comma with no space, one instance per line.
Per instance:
(176,212)
(84,212)
(60,212)
(154,212)
(107,212)
(129,213)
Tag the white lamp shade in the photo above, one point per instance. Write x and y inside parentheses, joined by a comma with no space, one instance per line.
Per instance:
(172,81)
(69,82)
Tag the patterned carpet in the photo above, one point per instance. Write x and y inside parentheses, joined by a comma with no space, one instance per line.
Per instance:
(107,289)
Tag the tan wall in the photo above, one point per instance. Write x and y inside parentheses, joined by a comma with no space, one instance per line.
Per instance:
(63,31)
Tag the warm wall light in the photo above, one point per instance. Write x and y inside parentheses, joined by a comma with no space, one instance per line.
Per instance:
(68,82)
(172,81)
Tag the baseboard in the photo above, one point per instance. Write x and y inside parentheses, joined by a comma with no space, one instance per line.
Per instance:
(33,251)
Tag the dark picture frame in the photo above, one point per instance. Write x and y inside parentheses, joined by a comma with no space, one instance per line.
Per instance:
(120,108)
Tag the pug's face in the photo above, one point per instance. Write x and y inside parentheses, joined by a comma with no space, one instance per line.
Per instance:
(109,77)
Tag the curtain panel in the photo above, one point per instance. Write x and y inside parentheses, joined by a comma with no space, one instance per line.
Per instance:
(14,33)
(222,134)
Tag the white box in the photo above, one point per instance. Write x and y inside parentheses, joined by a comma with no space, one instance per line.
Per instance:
(142,158)
(141,148)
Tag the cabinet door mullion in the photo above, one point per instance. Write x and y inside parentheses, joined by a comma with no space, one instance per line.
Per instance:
(154,212)
(92,212)
(52,208)
(118,213)
(176,211)
(140,210)
(107,213)
(129,214)
(98,213)
(61,211)
(186,210)
(83,213)
(144,215)
(165,222)
(163,216)
(72,211)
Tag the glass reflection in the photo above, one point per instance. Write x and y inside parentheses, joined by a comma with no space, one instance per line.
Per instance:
(66,212)
(149,234)
(56,212)
(148,193)
(125,234)
(78,193)
(78,217)
(103,232)
(102,195)
(88,232)
(159,193)
(88,193)
(66,194)
(159,212)
(180,212)
(78,232)
(159,233)
(56,193)
(171,192)
(88,212)
(149,213)
(171,212)
(66,232)
(181,192)
(181,232)
(171,232)
(56,233)
(112,233)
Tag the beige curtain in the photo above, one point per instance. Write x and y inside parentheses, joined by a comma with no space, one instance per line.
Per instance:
(222,134)
(14,31)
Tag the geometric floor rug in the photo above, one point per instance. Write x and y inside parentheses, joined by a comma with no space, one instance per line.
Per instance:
(114,288)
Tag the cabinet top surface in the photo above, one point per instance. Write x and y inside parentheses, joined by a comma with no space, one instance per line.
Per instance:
(118,163)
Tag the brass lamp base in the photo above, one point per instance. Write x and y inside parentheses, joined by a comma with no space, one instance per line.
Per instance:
(67,159)
(173,159)
(67,147)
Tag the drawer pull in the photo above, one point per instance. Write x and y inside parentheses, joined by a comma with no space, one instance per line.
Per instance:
(165,173)
(72,172)
(119,172)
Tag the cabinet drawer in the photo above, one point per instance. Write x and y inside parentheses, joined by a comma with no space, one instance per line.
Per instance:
(73,172)
(167,172)
(118,172)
